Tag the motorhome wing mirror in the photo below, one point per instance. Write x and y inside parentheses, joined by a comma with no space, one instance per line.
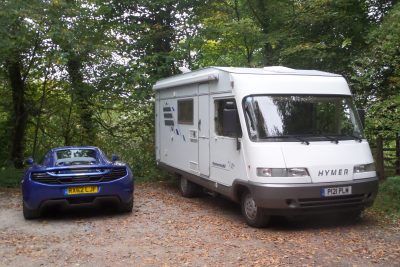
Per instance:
(361,114)
(230,122)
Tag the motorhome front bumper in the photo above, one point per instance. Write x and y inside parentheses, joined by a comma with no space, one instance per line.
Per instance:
(294,199)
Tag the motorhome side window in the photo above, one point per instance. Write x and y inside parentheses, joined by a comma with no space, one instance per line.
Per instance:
(226,118)
(185,111)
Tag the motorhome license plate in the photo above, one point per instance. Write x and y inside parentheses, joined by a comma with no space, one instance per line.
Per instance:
(336,191)
(82,190)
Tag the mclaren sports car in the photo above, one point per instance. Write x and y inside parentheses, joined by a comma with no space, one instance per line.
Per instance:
(76,175)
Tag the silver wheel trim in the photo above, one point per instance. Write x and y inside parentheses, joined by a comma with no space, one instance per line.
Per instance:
(183,184)
(250,207)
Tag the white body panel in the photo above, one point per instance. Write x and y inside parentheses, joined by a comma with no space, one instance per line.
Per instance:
(198,150)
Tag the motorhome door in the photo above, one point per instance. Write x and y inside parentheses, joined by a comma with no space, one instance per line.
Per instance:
(204,129)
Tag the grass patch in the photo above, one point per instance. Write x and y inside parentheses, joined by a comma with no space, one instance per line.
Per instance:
(10,177)
(388,198)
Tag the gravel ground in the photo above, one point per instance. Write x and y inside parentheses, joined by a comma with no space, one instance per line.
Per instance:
(166,229)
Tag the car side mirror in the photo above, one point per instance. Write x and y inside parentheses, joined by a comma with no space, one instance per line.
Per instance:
(361,114)
(29,161)
(114,158)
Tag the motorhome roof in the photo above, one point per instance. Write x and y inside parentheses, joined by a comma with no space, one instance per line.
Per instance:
(275,70)
(211,73)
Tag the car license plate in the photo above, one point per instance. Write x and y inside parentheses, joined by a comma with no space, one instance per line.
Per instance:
(92,189)
(336,191)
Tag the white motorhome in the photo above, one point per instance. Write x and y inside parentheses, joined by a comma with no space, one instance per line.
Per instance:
(277,140)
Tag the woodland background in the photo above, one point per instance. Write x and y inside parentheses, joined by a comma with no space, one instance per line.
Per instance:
(81,72)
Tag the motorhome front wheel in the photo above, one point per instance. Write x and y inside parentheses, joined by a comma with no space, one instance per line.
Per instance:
(255,216)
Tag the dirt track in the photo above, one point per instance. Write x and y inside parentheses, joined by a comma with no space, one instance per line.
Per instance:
(166,229)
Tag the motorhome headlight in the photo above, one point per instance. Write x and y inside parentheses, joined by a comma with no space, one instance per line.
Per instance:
(370,167)
(295,172)
(282,172)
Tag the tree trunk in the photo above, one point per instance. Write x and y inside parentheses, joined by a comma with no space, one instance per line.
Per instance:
(262,16)
(161,47)
(20,115)
(81,96)
(67,130)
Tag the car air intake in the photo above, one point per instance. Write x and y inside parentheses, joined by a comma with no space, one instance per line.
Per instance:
(44,178)
(116,173)
(47,178)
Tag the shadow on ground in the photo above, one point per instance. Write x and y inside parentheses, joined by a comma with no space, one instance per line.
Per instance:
(83,211)
(215,204)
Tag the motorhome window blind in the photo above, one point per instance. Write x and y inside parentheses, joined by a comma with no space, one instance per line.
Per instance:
(185,111)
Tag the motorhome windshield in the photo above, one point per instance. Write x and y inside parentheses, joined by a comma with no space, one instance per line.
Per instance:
(295,118)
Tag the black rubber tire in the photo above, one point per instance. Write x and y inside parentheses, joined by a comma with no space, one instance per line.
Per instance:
(352,216)
(254,216)
(188,189)
(30,214)
(126,207)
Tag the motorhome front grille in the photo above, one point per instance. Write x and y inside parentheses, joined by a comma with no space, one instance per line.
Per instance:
(332,201)
(46,178)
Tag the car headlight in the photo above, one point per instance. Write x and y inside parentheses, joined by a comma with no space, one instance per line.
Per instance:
(282,172)
(364,168)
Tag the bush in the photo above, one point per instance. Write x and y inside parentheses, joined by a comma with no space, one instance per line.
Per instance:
(388,199)
(10,177)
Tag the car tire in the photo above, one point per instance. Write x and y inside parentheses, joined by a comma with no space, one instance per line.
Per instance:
(255,216)
(30,214)
(126,207)
(188,189)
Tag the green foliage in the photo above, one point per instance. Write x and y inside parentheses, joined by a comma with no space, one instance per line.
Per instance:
(88,66)
(383,118)
(228,36)
(322,34)
(377,71)
(376,77)
(10,177)
(388,199)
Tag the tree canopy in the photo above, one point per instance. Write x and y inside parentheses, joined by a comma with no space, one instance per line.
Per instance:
(80,72)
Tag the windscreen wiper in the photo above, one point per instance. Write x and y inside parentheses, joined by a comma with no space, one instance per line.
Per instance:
(332,139)
(359,139)
(302,140)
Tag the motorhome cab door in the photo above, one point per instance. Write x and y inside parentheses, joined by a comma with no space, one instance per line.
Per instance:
(204,129)
(226,157)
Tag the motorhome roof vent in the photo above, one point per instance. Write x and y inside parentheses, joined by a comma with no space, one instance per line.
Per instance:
(184,69)
(279,69)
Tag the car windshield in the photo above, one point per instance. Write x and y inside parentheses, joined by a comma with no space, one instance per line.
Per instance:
(68,157)
(291,118)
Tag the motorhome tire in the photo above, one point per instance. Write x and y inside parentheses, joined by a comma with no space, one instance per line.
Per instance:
(187,188)
(353,216)
(30,214)
(255,216)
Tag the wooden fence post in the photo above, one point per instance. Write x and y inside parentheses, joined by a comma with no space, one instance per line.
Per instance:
(380,164)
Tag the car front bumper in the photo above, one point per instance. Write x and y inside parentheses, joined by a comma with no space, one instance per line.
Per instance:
(294,199)
(37,195)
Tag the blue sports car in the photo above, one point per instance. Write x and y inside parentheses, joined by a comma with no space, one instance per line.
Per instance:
(76,175)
